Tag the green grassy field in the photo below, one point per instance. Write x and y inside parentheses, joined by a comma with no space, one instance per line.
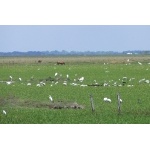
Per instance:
(30,104)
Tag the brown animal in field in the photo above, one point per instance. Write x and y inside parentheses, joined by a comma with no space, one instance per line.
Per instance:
(60,63)
(39,61)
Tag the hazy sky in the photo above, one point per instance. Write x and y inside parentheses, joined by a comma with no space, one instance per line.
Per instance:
(74,38)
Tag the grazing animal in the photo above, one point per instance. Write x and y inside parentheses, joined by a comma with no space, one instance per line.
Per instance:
(60,63)
(39,61)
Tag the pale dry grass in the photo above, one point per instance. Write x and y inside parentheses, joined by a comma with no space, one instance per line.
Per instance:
(74,59)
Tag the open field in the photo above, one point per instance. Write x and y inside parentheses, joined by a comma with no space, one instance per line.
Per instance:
(74,59)
(25,86)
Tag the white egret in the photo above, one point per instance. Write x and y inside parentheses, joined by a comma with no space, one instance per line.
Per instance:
(107,99)
(83,85)
(142,80)
(56,74)
(120,100)
(64,83)
(139,63)
(28,84)
(9,82)
(20,79)
(74,84)
(50,98)
(38,85)
(42,83)
(4,112)
(81,79)
(10,78)
(56,82)
(147,81)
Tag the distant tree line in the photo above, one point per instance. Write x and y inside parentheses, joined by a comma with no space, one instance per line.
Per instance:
(72,53)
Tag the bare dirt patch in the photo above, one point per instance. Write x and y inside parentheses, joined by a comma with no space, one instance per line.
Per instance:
(14,102)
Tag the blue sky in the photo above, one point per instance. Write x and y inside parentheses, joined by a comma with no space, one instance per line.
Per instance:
(74,37)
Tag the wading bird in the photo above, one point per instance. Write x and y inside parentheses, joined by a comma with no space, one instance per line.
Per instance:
(9,82)
(120,100)
(67,76)
(4,112)
(56,74)
(81,79)
(50,98)
(10,78)
(28,84)
(139,63)
(107,100)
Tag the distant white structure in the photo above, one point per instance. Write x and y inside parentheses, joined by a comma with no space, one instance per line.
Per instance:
(129,53)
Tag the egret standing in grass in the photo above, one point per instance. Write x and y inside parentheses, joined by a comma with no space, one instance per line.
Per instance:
(67,76)
(50,98)
(56,74)
(20,79)
(120,100)
(139,63)
(4,112)
(10,78)
(107,99)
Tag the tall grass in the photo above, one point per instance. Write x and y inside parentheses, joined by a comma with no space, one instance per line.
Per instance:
(24,104)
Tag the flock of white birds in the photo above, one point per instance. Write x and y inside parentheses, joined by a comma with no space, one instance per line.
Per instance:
(79,82)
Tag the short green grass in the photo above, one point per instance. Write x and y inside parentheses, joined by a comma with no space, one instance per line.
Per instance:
(18,99)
